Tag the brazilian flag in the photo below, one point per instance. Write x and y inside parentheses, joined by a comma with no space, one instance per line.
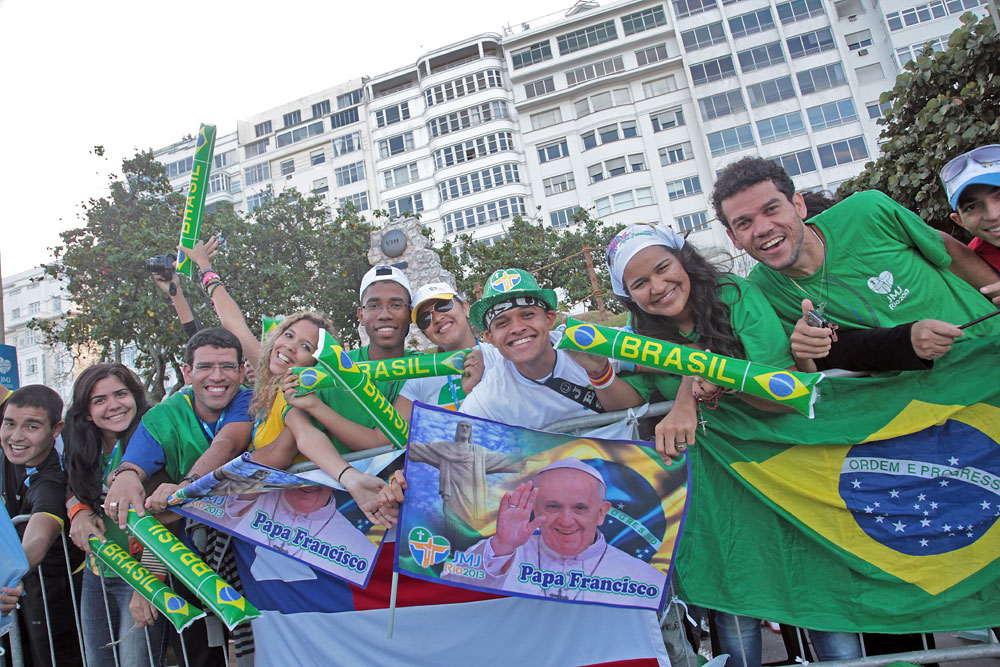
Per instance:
(880,515)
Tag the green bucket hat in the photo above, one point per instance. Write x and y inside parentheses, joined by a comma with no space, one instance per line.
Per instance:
(508,284)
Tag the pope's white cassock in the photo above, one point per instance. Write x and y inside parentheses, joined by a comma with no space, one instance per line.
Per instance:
(600,559)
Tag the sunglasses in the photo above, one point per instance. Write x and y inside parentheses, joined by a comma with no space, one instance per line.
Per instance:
(982,155)
(424,318)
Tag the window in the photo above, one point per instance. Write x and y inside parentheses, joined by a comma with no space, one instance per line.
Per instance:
(554,151)
(483,214)
(653,17)
(561,183)
(257,173)
(595,70)
(395,145)
(469,117)
(321,108)
(609,133)
(478,181)
(473,148)
(393,114)
(712,70)
(546,118)
(660,86)
(34,307)
(351,173)
(350,99)
(400,175)
(179,167)
(287,167)
(751,23)
(703,36)
(821,78)
(692,222)
(907,53)
(622,201)
(799,162)
(15,313)
(653,54)
(260,129)
(780,127)
(540,87)
(665,120)
(769,92)
(347,143)
(760,57)
(858,40)
(299,134)
(292,118)
(617,167)
(218,182)
(563,217)
(723,104)
(869,74)
(342,118)
(799,10)
(225,159)
(462,86)
(587,37)
(877,110)
(535,53)
(842,152)
(832,114)
(730,140)
(321,185)
(676,153)
(809,43)
(31,366)
(601,101)
(358,200)
(684,8)
(406,205)
(929,12)
(685,187)
(257,200)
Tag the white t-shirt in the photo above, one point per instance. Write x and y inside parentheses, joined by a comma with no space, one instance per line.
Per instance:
(506,396)
(441,391)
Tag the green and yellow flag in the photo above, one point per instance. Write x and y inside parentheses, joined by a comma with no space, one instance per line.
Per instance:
(879,515)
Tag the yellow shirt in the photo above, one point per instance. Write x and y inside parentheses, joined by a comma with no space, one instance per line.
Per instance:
(267,430)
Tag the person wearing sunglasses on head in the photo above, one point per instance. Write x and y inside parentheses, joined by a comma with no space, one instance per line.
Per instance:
(972,184)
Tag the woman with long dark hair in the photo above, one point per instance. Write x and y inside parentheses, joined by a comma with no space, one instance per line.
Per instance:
(108,404)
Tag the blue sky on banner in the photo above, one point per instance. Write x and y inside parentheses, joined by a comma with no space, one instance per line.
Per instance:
(125,75)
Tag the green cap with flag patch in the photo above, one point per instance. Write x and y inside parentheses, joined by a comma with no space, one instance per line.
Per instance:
(510,285)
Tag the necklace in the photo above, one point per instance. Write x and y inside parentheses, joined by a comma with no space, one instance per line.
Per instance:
(559,594)
(824,286)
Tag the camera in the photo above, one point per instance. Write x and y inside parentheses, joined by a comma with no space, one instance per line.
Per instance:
(162,265)
(816,319)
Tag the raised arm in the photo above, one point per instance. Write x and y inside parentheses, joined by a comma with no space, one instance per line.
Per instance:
(972,268)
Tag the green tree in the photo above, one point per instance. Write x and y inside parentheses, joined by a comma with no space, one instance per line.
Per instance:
(555,257)
(943,104)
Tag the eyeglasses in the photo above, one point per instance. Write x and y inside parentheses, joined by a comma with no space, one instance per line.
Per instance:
(441,306)
(982,155)
(225,367)
(392,306)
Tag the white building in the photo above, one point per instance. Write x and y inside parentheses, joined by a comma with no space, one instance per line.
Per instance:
(34,295)
(627,110)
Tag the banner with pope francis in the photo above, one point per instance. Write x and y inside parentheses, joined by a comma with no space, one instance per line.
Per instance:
(504,509)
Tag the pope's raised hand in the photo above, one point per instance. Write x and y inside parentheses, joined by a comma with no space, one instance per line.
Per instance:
(514,524)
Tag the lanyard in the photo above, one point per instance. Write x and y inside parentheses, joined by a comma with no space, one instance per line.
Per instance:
(210,432)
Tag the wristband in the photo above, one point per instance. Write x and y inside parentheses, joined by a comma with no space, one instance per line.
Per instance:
(207,272)
(76,509)
(349,467)
(606,377)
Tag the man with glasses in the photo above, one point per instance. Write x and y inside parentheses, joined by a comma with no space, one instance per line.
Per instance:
(972,183)
(188,435)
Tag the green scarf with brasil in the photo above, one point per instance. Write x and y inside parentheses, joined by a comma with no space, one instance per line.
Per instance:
(177,428)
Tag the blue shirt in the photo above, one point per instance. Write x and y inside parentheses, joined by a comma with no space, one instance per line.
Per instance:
(145,452)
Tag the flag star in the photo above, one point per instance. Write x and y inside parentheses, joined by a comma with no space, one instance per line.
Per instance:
(894,494)
(925,522)
(621,506)
(953,461)
(959,527)
(900,526)
(922,497)
(969,534)
(926,513)
(946,528)
(923,543)
(933,505)
(985,505)
(943,482)
(856,484)
(879,519)
(916,506)
(869,509)
(876,505)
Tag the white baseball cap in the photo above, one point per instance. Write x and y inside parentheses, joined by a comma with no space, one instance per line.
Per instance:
(442,291)
(384,272)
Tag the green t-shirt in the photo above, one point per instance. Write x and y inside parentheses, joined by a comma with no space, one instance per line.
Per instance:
(347,406)
(754,323)
(884,267)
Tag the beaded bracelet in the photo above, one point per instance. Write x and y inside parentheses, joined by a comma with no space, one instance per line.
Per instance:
(206,277)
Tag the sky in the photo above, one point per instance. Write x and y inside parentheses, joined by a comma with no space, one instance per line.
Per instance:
(126,75)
